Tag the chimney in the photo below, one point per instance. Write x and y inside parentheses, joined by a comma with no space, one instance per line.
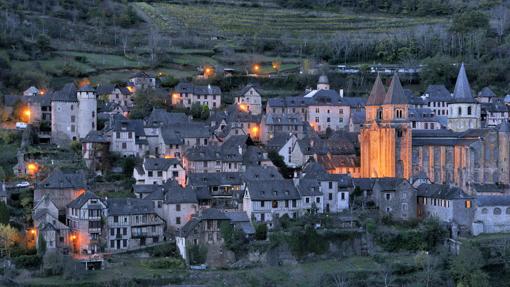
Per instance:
(341,92)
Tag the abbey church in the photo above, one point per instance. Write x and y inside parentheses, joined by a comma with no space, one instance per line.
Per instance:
(464,153)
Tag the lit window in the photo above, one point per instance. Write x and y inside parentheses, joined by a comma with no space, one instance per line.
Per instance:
(468,203)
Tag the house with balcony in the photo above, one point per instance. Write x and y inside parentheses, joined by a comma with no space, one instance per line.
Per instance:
(86,217)
(159,170)
(267,200)
(132,223)
(220,190)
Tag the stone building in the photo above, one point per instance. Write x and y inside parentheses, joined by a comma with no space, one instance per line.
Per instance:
(85,216)
(386,135)
(73,113)
(464,111)
(492,214)
(447,203)
(62,188)
(159,170)
(467,158)
(132,223)
(249,100)
(187,94)
(142,81)
(395,197)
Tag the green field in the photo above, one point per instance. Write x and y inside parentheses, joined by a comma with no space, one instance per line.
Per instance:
(230,20)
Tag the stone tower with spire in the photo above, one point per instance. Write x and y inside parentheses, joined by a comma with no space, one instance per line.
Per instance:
(464,111)
(386,137)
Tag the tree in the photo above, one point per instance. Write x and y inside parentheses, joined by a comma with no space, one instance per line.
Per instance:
(2,174)
(466,268)
(4,213)
(9,237)
(233,237)
(278,161)
(145,102)
(261,231)
(41,244)
(197,254)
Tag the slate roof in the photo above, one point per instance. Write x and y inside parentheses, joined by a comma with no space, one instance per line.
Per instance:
(60,180)
(309,187)
(176,133)
(296,101)
(486,92)
(215,179)
(493,200)
(160,117)
(237,218)
(82,199)
(438,93)
(95,137)
(277,189)
(442,191)
(172,193)
(129,206)
(389,184)
(395,94)
(66,94)
(462,92)
(377,94)
(489,187)
(119,124)
(278,140)
(161,164)
(495,107)
(358,118)
(363,183)
(246,88)
(255,173)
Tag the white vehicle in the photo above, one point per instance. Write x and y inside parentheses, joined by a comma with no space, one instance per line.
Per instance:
(21,125)
(23,184)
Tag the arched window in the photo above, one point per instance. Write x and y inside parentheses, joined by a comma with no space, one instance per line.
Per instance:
(485,211)
(460,111)
(399,113)
(497,211)
(469,111)
(379,114)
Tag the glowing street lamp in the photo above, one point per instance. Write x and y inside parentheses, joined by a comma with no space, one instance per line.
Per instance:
(256,68)
(243,107)
(27,113)
(32,168)
(208,71)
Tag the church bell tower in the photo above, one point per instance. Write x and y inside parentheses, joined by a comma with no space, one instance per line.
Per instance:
(386,137)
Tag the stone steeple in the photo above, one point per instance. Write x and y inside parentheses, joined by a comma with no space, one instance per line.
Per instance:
(462,92)
(377,94)
(395,94)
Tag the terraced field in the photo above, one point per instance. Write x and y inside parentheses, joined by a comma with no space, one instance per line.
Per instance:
(230,20)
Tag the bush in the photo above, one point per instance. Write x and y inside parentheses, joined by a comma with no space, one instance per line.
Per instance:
(197,254)
(165,263)
(166,250)
(261,231)
(27,261)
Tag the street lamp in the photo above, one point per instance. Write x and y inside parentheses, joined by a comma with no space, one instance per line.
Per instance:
(27,113)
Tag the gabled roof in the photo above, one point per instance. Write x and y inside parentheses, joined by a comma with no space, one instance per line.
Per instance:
(95,137)
(395,94)
(172,193)
(161,164)
(438,93)
(215,179)
(160,117)
(246,88)
(462,92)
(377,94)
(486,92)
(129,206)
(66,94)
(309,187)
(442,191)
(82,199)
(389,184)
(257,172)
(277,189)
(60,180)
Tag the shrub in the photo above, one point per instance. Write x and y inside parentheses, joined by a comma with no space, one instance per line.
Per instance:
(197,254)
(166,250)
(261,231)
(165,263)
(27,261)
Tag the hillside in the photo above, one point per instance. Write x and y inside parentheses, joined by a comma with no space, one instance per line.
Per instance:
(51,42)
